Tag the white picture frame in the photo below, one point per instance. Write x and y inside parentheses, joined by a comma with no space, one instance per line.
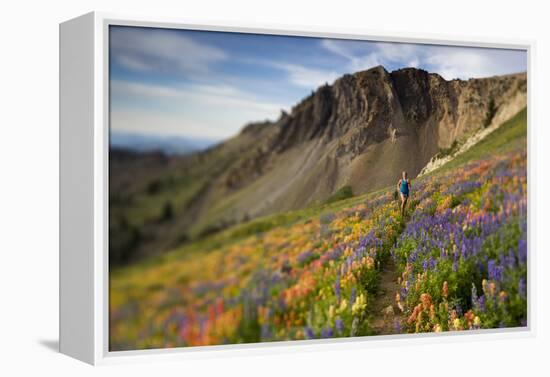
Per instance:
(84,119)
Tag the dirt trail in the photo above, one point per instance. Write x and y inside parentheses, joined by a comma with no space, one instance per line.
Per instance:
(384,309)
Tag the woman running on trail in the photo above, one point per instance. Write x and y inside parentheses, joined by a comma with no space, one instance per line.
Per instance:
(404,186)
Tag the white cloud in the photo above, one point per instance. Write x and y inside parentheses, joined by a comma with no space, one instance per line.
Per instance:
(337,47)
(214,111)
(379,53)
(397,52)
(213,95)
(307,77)
(344,48)
(162,50)
(460,63)
(120,89)
(361,63)
(415,62)
(465,63)
(160,123)
(227,96)
(132,63)
(449,62)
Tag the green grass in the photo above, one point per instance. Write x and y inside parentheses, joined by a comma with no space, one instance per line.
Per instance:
(342,193)
(147,204)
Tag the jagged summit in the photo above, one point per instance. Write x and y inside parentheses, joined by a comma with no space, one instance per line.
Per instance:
(375,102)
(337,135)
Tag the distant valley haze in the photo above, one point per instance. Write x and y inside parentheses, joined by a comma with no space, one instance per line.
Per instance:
(169,144)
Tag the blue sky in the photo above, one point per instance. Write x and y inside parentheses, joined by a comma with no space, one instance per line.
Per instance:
(210,84)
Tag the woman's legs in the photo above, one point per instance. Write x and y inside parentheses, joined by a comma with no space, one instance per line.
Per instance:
(403,203)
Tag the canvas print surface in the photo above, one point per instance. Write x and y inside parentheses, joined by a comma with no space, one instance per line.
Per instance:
(269,188)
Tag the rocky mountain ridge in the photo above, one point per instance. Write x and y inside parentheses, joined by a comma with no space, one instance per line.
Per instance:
(361,132)
(410,108)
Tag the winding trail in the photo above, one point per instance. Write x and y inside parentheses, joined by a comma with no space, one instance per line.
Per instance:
(386,314)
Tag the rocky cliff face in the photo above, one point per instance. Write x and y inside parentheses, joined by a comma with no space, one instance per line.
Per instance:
(406,116)
(361,131)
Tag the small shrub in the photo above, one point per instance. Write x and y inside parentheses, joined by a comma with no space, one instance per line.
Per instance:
(167,212)
(491,111)
(344,192)
(154,187)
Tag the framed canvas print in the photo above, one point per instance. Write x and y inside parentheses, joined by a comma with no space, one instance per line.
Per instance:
(243,189)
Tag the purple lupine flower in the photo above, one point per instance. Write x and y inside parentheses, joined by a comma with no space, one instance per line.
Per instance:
(397,326)
(522,251)
(458,309)
(334,253)
(463,251)
(481,303)
(339,325)
(308,332)
(507,260)
(202,325)
(349,261)
(425,265)
(275,278)
(495,271)
(353,295)
(327,333)
(522,288)
(337,290)
(304,257)
(265,332)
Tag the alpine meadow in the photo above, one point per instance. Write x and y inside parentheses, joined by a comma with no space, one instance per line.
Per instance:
(383,191)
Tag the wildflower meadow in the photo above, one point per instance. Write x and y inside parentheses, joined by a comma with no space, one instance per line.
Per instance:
(456,261)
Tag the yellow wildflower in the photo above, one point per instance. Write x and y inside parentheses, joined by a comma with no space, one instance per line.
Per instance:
(331,312)
(477,321)
(343,306)
(359,305)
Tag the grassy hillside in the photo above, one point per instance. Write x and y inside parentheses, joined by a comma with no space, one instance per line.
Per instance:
(459,253)
(150,193)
